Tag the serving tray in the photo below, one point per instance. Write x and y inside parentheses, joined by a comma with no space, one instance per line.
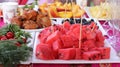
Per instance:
(113,55)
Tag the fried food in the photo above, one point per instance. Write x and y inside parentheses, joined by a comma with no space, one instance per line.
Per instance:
(30,15)
(30,24)
(17,20)
(32,19)
(43,19)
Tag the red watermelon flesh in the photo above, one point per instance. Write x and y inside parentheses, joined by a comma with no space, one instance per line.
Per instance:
(89,43)
(75,30)
(67,54)
(63,43)
(74,26)
(43,51)
(67,41)
(60,28)
(105,52)
(99,36)
(67,25)
(54,36)
(91,35)
(57,45)
(99,44)
(78,54)
(93,26)
(44,34)
(91,55)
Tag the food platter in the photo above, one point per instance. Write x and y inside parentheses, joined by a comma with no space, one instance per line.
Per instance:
(87,9)
(113,56)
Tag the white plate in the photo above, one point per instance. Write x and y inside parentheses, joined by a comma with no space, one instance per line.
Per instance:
(32,30)
(87,9)
(32,40)
(113,56)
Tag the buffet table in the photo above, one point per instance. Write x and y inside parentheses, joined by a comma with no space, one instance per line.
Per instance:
(106,27)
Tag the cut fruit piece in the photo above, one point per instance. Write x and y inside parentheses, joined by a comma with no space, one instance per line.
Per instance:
(51,38)
(66,25)
(99,44)
(43,51)
(67,41)
(91,55)
(65,15)
(78,55)
(67,54)
(99,36)
(105,52)
(57,45)
(89,43)
(53,12)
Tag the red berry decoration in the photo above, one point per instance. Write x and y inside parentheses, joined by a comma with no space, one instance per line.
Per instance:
(18,44)
(3,38)
(24,40)
(10,35)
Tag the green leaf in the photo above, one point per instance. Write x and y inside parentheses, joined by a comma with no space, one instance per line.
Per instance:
(11,55)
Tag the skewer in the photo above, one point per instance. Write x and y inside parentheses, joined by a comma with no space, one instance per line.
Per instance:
(72,12)
(98,15)
(80,38)
(65,10)
(52,27)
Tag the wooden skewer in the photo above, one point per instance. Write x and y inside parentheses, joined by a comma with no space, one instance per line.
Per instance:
(98,15)
(65,10)
(72,12)
(80,38)
(52,27)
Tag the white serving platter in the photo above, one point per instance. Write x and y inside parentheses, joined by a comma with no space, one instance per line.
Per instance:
(32,39)
(32,30)
(113,55)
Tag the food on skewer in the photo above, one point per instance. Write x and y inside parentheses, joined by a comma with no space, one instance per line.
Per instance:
(101,12)
(57,10)
(63,43)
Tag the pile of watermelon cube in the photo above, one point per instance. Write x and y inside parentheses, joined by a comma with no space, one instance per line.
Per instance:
(64,42)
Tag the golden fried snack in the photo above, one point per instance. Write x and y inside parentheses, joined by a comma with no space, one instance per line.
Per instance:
(17,20)
(29,24)
(30,15)
(43,19)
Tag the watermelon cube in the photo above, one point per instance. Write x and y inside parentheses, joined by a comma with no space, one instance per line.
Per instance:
(89,43)
(43,51)
(78,54)
(91,55)
(67,54)
(99,44)
(51,38)
(67,41)
(91,35)
(66,25)
(43,35)
(105,52)
(99,36)
(57,45)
